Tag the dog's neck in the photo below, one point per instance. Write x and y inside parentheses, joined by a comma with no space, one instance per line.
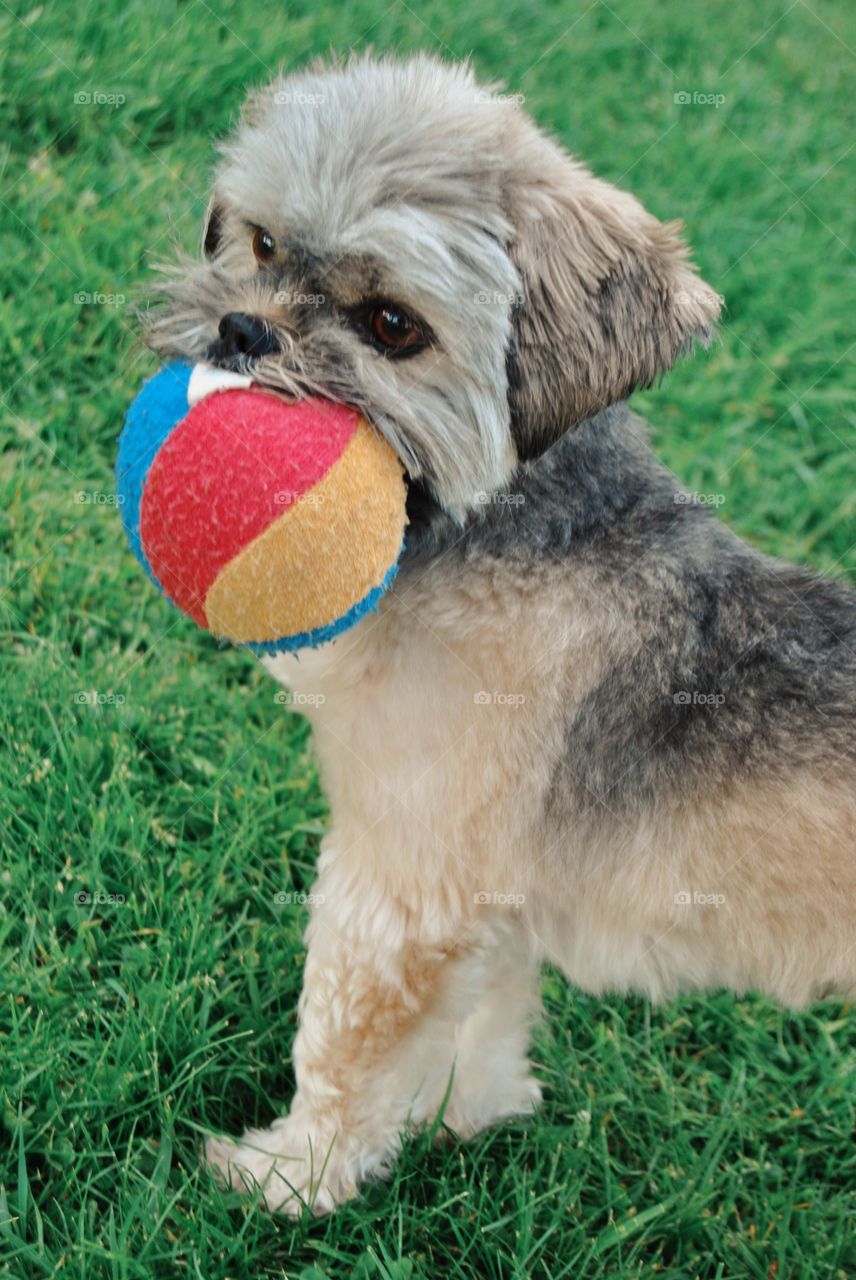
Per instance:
(596,475)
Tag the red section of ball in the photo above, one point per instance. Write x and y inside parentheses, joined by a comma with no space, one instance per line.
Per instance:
(232,466)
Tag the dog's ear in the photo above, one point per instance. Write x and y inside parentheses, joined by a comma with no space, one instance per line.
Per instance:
(212,228)
(608,301)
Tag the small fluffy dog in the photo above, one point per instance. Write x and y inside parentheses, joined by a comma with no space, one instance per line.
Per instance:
(589,724)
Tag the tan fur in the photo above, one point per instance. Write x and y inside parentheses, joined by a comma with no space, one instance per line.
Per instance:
(409,977)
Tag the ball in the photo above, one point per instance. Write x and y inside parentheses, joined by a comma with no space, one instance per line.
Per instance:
(274,525)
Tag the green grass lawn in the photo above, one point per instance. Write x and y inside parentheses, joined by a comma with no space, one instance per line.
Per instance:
(708,1138)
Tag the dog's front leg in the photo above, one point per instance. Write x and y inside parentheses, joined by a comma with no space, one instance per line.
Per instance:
(386,984)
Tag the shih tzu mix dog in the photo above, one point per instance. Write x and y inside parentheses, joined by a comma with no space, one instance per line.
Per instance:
(589,725)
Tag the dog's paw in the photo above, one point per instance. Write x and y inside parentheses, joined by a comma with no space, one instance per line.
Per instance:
(297,1172)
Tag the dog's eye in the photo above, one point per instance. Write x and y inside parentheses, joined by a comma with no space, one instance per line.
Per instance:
(264,245)
(395,330)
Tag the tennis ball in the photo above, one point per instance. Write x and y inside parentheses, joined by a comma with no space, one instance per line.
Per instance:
(271,524)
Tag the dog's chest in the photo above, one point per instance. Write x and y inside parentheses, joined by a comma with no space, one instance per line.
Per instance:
(430,737)
(388,701)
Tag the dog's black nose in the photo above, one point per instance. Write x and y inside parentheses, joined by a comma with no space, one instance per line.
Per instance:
(243,335)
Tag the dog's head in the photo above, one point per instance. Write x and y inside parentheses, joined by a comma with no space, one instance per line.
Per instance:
(390,235)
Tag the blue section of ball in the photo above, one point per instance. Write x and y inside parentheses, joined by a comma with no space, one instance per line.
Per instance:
(320,635)
(160,406)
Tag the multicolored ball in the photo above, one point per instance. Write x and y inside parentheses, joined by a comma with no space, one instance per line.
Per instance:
(274,525)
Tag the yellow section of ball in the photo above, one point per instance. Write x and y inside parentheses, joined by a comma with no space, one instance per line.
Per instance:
(322,556)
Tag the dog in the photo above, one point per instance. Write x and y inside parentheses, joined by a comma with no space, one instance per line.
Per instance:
(588,725)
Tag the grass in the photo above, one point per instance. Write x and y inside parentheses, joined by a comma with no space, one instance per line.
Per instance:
(708,1138)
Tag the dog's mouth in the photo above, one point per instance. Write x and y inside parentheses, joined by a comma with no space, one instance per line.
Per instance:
(218,357)
(271,361)
(207,377)
(218,372)
(265,370)
(252,363)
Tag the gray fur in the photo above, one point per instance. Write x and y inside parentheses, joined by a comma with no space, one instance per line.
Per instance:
(765,651)
(550,293)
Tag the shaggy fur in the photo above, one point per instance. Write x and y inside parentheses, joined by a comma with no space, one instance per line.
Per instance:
(589,724)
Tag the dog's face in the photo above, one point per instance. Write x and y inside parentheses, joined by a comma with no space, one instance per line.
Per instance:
(389,235)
